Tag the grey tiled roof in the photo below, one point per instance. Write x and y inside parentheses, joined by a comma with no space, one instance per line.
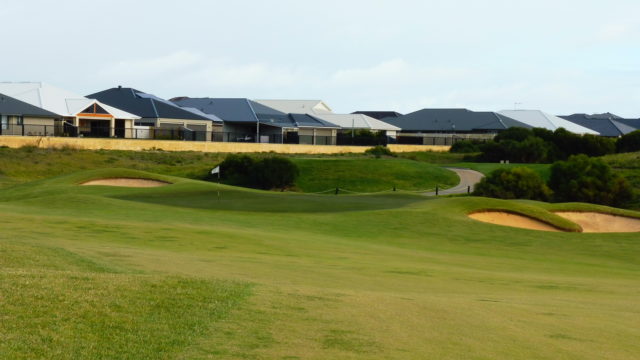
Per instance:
(11,106)
(446,120)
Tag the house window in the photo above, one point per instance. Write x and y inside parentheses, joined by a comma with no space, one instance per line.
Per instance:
(5,122)
(17,120)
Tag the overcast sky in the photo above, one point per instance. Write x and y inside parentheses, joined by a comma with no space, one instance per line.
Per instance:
(559,56)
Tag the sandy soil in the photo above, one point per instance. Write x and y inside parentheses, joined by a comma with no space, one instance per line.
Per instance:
(593,222)
(127,182)
(513,220)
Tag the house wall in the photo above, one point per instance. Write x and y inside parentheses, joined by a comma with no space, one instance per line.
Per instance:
(223,147)
(32,126)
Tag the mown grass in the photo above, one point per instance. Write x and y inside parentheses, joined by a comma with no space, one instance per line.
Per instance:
(56,304)
(392,276)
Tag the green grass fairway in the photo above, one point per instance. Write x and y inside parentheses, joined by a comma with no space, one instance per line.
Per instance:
(370,174)
(176,272)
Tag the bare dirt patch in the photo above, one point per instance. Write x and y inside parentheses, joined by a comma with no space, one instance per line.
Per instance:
(126,182)
(513,220)
(593,222)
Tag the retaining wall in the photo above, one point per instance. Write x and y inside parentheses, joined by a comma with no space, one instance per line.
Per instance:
(176,145)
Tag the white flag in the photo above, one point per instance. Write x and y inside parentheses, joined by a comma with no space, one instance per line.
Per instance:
(215,170)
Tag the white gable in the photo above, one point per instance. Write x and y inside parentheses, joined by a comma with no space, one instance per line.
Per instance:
(313,107)
(357,121)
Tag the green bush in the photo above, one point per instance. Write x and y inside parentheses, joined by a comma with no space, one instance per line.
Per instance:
(629,142)
(515,183)
(465,147)
(379,151)
(272,172)
(589,180)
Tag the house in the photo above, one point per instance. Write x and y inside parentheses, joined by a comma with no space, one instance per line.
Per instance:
(248,121)
(379,114)
(349,124)
(606,124)
(81,116)
(160,118)
(444,126)
(539,119)
(21,118)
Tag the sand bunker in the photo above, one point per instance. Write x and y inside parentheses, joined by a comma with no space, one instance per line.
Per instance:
(513,220)
(592,222)
(127,182)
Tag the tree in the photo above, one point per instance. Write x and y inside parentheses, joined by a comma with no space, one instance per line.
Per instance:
(590,180)
(629,142)
(272,172)
(516,183)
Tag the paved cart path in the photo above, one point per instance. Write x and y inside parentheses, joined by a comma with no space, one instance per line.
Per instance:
(467,177)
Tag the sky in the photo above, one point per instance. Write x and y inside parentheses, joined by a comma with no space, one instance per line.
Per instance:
(560,56)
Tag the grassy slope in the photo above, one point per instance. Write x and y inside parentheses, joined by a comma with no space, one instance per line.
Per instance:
(356,173)
(370,174)
(412,278)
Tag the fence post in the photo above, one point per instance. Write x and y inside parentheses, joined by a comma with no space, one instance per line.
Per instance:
(337,191)
(469,189)
(437,190)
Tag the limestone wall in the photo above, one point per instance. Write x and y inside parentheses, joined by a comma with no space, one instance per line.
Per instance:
(175,145)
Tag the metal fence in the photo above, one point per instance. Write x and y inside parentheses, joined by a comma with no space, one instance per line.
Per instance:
(185,134)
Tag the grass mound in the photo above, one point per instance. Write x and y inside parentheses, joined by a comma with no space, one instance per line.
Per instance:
(370,175)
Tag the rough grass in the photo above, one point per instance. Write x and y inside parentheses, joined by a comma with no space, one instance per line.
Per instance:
(413,278)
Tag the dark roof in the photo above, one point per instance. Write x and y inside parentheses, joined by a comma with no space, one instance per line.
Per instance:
(444,120)
(606,124)
(379,114)
(143,104)
(11,106)
(241,110)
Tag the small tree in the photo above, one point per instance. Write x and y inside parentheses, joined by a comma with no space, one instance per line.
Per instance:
(516,183)
(590,180)
(465,147)
(629,142)
(378,151)
(272,172)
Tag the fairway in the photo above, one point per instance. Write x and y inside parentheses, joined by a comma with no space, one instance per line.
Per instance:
(196,270)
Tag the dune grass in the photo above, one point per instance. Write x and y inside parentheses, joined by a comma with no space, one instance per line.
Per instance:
(175,272)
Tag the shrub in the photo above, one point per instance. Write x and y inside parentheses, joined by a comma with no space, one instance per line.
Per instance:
(379,151)
(629,142)
(465,147)
(513,133)
(590,180)
(516,183)
(272,172)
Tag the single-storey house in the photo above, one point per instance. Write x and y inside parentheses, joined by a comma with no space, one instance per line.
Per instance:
(248,121)
(441,126)
(349,124)
(21,118)
(160,118)
(606,124)
(81,116)
(539,119)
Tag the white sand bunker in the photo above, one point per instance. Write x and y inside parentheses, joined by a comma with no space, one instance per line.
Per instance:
(513,220)
(593,222)
(127,182)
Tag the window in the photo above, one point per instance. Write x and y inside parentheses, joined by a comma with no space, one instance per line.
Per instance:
(5,122)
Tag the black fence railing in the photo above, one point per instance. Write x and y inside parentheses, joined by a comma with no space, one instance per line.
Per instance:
(152,133)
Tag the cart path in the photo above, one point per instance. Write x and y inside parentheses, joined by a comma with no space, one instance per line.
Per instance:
(468,178)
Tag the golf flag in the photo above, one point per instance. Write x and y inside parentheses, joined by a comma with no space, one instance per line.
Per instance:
(215,170)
